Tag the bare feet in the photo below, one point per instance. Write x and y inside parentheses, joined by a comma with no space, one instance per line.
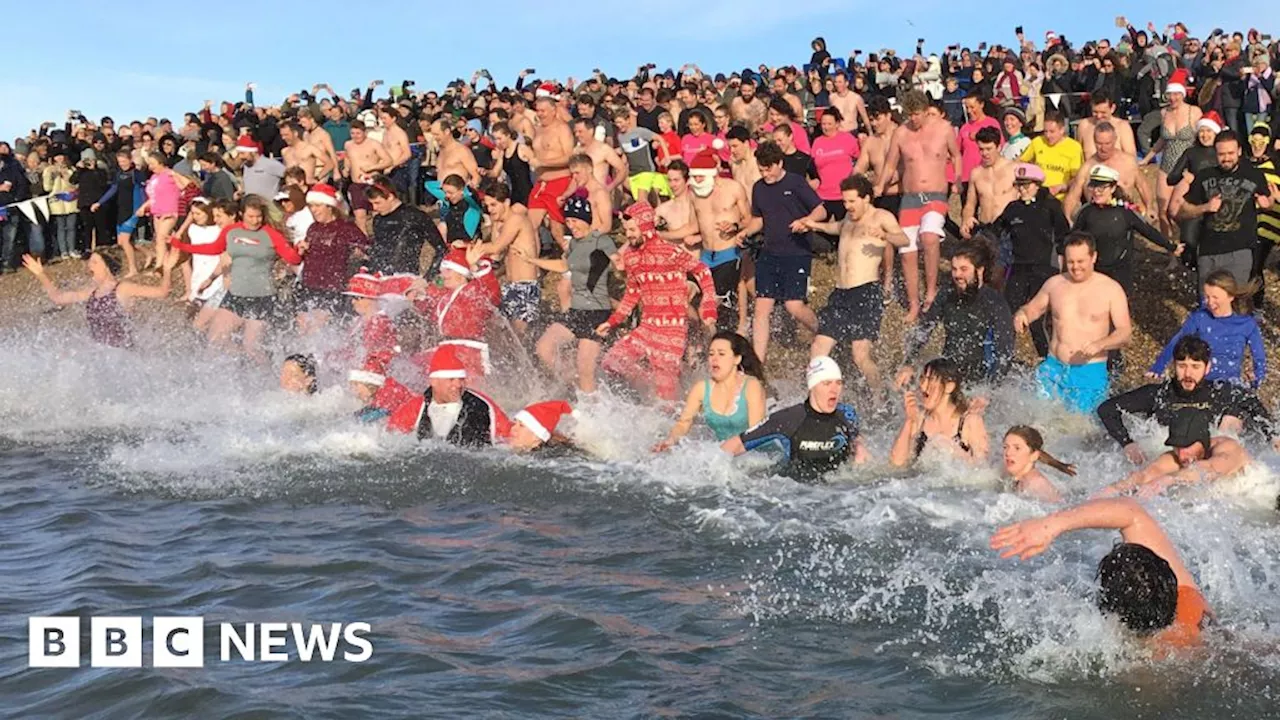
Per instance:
(913,313)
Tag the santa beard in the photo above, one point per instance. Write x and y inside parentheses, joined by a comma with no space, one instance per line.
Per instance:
(702,185)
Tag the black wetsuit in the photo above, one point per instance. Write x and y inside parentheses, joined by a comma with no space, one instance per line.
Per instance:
(979,331)
(813,442)
(1195,159)
(1112,227)
(1211,398)
(398,238)
(1036,230)
(519,176)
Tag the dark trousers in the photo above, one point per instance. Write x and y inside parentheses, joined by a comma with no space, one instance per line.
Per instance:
(101,222)
(1023,284)
(1261,251)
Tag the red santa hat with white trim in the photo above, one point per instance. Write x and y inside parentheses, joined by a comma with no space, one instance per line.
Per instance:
(1212,121)
(397,285)
(445,364)
(456,261)
(371,374)
(546,89)
(364,285)
(705,161)
(542,418)
(246,144)
(322,194)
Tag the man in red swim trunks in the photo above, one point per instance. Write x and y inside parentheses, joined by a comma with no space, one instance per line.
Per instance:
(552,148)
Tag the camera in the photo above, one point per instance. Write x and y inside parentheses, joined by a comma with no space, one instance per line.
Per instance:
(1017,30)
(530,71)
(407,83)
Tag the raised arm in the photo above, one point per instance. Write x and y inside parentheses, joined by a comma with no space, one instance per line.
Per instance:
(59,297)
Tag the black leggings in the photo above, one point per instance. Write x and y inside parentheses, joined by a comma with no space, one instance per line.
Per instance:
(1023,284)
(102,222)
(1261,251)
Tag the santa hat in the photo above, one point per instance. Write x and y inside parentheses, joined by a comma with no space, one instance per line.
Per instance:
(1050,37)
(397,285)
(705,160)
(456,261)
(246,144)
(546,89)
(370,374)
(364,285)
(1211,120)
(322,194)
(643,213)
(445,364)
(542,418)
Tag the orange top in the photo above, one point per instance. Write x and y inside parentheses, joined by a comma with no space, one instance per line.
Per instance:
(1188,618)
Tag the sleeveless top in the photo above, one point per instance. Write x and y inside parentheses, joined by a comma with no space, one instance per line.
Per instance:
(735,422)
(520,175)
(203,266)
(1176,143)
(922,439)
(164,194)
(107,322)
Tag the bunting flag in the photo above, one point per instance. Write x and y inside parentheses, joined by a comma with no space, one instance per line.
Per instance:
(34,205)
(1055,98)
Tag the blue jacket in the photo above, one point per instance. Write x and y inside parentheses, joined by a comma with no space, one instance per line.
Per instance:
(1227,337)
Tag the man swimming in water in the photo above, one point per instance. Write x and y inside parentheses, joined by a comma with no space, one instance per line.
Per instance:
(1229,406)
(534,427)
(816,436)
(298,374)
(449,410)
(1194,457)
(1142,580)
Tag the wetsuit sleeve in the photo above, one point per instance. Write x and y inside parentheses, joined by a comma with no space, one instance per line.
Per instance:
(217,247)
(1190,327)
(1143,228)
(1258,352)
(1196,194)
(282,246)
(1001,320)
(1139,401)
(777,428)
(110,193)
(1236,401)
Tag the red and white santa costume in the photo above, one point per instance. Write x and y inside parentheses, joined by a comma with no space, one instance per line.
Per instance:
(656,272)
(390,395)
(462,314)
(375,335)
(477,419)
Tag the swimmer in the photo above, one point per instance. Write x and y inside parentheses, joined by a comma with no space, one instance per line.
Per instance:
(379,393)
(732,399)
(298,374)
(1142,580)
(818,435)
(534,427)
(449,410)
(107,300)
(1195,457)
(944,408)
(1023,450)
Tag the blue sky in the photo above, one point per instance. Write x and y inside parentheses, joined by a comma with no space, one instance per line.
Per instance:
(176,58)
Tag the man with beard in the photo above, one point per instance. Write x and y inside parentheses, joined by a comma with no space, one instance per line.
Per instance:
(656,273)
(1222,403)
(748,108)
(1194,457)
(975,317)
(1090,318)
(720,207)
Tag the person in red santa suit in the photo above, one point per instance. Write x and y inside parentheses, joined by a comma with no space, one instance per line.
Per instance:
(374,334)
(656,272)
(534,427)
(380,394)
(449,410)
(460,307)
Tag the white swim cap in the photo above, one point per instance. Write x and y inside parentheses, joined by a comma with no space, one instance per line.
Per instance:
(821,369)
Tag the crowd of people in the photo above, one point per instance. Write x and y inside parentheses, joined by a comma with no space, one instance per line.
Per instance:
(623,227)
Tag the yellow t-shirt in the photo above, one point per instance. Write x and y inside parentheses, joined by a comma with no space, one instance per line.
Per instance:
(1060,162)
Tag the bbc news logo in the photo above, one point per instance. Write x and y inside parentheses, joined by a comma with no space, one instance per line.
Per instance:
(176,642)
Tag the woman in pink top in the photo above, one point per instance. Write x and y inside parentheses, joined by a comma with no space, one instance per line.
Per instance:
(697,139)
(780,112)
(164,187)
(834,153)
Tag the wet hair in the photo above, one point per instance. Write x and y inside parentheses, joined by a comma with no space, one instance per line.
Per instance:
(1139,586)
(988,135)
(1192,347)
(1241,295)
(1035,441)
(750,363)
(455,181)
(768,154)
(306,363)
(979,252)
(1080,237)
(946,371)
(741,134)
(859,184)
(113,265)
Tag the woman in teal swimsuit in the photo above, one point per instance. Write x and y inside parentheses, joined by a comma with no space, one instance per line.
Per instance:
(732,399)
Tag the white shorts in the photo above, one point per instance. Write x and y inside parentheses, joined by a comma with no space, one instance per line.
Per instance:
(922,213)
